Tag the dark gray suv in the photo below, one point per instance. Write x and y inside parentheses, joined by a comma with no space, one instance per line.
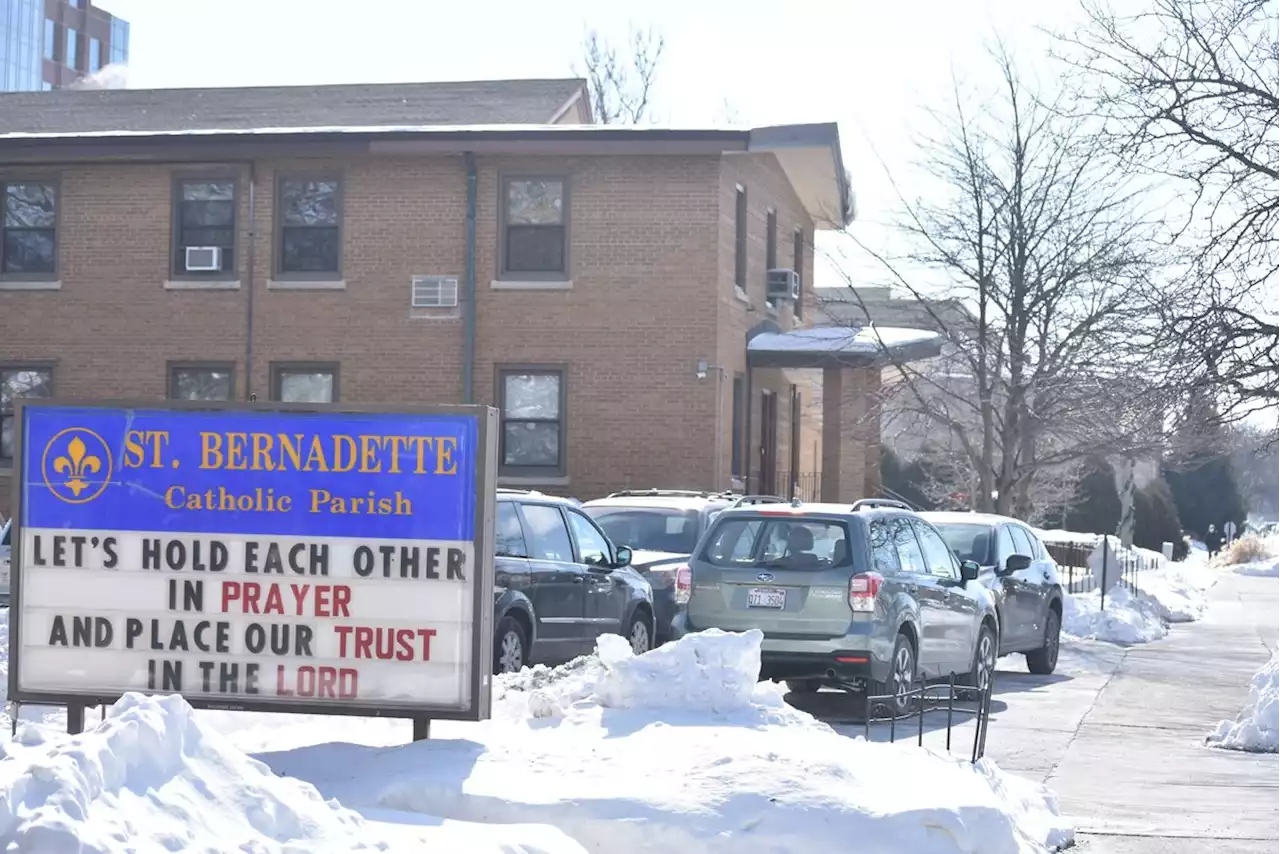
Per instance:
(867,596)
(560,584)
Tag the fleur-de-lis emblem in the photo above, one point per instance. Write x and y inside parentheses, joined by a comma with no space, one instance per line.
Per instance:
(76,465)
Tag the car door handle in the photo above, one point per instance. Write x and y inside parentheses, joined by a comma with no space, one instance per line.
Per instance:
(577,579)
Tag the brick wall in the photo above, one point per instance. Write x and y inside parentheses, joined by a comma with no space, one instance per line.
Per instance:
(650,297)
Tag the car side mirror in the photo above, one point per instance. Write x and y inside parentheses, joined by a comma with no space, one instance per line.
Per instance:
(969,570)
(1016,563)
(622,557)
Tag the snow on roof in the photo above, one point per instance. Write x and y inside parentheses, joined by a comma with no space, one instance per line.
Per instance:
(867,340)
(602,130)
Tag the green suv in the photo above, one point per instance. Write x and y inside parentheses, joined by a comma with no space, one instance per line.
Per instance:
(860,597)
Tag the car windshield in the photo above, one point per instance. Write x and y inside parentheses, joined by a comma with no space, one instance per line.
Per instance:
(967,540)
(778,543)
(659,529)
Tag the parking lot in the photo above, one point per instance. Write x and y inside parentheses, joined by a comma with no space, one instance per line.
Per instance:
(1117,732)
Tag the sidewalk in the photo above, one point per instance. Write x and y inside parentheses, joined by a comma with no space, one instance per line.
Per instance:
(1136,774)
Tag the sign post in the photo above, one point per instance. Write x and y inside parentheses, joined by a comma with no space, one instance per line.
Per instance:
(264,557)
(1229,529)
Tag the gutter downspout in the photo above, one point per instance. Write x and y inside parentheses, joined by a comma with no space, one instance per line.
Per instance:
(469,341)
(250,257)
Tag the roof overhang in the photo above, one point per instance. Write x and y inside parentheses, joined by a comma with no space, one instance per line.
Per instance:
(808,154)
(839,346)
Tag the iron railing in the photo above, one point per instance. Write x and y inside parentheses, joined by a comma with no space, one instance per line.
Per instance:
(807,485)
(1073,563)
(936,697)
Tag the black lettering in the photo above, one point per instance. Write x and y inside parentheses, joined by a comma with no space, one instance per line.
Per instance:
(151,674)
(175,554)
(223,638)
(319,559)
(228,678)
(178,637)
(173,594)
(457,560)
(82,631)
(151,553)
(280,638)
(251,679)
(155,636)
(36,557)
(58,632)
(409,556)
(109,549)
(193,595)
(304,640)
(59,550)
(387,553)
(250,556)
(132,631)
(171,676)
(362,561)
(219,555)
(78,547)
(103,632)
(273,562)
(255,637)
(206,676)
(433,563)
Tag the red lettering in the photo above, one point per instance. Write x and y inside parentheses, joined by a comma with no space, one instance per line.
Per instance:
(426,635)
(404,644)
(230,593)
(364,639)
(322,600)
(342,631)
(341,599)
(275,601)
(251,591)
(299,596)
(384,644)
(334,683)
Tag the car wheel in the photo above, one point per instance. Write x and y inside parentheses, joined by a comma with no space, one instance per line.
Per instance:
(511,646)
(638,634)
(984,660)
(902,676)
(804,686)
(1044,660)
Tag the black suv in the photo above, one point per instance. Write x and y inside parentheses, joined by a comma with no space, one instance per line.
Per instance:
(663,526)
(560,584)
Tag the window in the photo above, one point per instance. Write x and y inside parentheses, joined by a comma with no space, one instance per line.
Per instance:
(593,548)
(534,240)
(508,534)
(305,383)
(19,382)
(739,399)
(1021,543)
(656,529)
(532,407)
(797,264)
(938,558)
(95,54)
(804,544)
(310,231)
(884,554)
(770,249)
(1004,546)
(204,215)
(968,541)
(202,382)
(910,557)
(29,229)
(740,241)
(547,536)
(50,39)
(71,58)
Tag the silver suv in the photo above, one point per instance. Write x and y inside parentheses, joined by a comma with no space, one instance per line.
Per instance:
(862,597)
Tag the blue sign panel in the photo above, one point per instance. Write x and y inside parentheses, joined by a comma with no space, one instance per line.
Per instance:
(394,476)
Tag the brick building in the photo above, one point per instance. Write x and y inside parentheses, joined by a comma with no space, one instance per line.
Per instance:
(604,287)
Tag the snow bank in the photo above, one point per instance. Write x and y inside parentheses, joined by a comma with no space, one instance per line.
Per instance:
(1257,728)
(681,749)
(1263,568)
(1126,619)
(151,777)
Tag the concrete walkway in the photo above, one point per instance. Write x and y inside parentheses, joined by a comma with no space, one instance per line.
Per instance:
(1135,773)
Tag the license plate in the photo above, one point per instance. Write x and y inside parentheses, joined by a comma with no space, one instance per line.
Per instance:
(766,597)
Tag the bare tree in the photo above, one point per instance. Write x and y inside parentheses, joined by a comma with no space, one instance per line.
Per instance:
(621,87)
(1027,223)
(1187,89)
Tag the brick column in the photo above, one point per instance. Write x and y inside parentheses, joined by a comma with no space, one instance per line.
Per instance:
(869,431)
(844,453)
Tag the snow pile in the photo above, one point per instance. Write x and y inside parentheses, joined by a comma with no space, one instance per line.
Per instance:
(153,778)
(681,750)
(1257,728)
(1262,568)
(1126,619)
(1262,553)
(1178,590)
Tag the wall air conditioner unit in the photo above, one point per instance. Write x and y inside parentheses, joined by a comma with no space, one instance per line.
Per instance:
(433,292)
(782,283)
(203,259)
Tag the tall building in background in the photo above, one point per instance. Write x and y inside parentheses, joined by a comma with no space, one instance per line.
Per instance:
(47,44)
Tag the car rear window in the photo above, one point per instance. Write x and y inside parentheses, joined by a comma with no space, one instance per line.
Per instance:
(968,541)
(792,543)
(656,529)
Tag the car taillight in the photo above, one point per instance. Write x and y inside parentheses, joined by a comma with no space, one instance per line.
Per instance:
(684,584)
(863,589)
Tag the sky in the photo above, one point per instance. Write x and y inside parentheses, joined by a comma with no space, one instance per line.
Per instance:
(867,65)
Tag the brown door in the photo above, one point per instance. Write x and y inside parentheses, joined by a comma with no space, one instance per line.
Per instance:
(768,442)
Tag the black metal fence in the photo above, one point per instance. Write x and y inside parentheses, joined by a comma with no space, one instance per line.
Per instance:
(807,485)
(1073,566)
(950,697)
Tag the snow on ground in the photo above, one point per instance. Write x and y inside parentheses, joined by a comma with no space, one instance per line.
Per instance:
(153,778)
(1124,618)
(681,749)
(1264,568)
(1257,728)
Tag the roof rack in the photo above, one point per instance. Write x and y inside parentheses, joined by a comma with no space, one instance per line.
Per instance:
(511,490)
(745,500)
(868,503)
(669,493)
